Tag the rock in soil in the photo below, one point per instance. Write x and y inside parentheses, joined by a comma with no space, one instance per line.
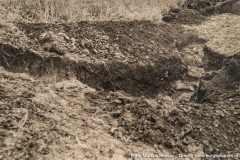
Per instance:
(195,72)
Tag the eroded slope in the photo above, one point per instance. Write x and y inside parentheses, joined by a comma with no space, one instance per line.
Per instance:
(189,87)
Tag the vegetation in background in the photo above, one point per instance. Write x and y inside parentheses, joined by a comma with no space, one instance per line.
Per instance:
(88,10)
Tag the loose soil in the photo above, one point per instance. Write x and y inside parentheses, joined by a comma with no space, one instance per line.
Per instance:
(106,90)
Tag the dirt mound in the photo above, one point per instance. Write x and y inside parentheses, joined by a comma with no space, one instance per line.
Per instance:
(209,7)
(194,11)
(103,39)
(185,16)
(157,122)
(225,83)
(189,16)
(181,127)
(198,5)
(137,57)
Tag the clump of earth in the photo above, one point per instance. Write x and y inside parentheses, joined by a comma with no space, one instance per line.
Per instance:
(195,11)
(106,90)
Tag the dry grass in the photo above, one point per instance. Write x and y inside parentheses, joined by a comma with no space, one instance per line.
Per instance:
(89,10)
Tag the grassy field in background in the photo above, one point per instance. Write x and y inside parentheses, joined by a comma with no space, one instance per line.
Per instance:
(51,11)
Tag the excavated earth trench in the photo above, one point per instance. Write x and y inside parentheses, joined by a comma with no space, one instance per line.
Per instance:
(136,57)
(147,77)
(172,87)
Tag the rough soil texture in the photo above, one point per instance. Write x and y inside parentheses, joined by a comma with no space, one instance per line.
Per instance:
(104,54)
(209,7)
(105,90)
(194,11)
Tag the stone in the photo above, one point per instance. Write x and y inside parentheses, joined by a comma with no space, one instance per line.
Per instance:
(187,129)
(236,112)
(73,40)
(66,37)
(47,37)
(181,120)
(209,149)
(117,101)
(205,142)
(193,59)
(238,122)
(95,51)
(122,97)
(195,105)
(86,52)
(175,9)
(185,142)
(108,97)
(185,97)
(220,113)
(209,75)
(164,99)
(195,72)
(160,125)
(167,18)
(54,47)
(73,48)
(118,55)
(216,123)
(113,131)
(153,103)
(179,85)
(167,144)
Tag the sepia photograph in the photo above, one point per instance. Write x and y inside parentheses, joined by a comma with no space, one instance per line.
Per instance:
(119,79)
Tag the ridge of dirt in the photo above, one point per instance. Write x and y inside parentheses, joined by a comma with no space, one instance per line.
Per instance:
(106,50)
(227,81)
(195,11)
(210,7)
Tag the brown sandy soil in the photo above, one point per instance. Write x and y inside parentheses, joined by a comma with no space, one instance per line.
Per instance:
(105,90)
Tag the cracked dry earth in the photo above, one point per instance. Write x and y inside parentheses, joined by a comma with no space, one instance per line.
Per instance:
(58,103)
